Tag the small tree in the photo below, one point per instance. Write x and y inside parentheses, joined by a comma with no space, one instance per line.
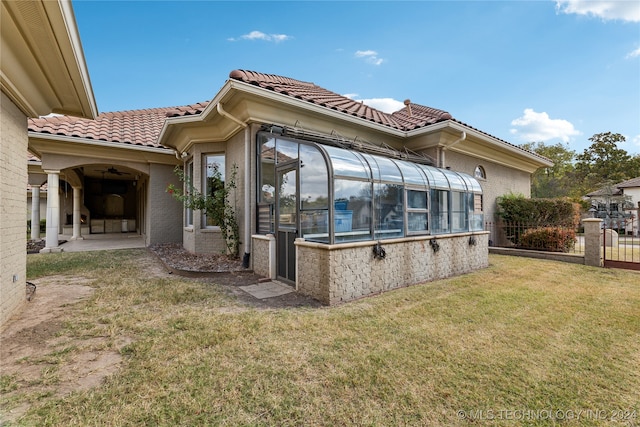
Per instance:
(216,205)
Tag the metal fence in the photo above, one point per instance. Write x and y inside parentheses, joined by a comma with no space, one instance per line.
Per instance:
(550,238)
(620,247)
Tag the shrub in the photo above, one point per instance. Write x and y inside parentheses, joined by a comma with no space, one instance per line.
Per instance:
(554,239)
(558,212)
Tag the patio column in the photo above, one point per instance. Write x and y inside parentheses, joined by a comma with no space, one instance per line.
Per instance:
(53,212)
(35,212)
(77,226)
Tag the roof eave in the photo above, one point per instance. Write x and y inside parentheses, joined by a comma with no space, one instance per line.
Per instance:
(44,71)
(452,124)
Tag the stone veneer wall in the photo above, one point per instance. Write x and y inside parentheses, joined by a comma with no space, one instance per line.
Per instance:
(13,205)
(260,255)
(338,273)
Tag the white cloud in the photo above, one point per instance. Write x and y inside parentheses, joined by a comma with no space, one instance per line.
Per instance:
(387,105)
(636,141)
(633,53)
(259,35)
(534,127)
(371,56)
(605,9)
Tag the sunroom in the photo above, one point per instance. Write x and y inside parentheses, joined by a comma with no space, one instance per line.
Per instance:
(335,220)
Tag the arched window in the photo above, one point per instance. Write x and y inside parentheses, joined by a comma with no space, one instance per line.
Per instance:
(480,173)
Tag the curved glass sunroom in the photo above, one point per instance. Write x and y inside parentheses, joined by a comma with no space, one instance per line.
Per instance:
(329,194)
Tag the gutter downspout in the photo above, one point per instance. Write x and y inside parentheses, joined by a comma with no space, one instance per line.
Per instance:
(247,182)
(444,148)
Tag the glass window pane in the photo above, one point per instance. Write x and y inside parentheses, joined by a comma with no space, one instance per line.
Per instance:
(286,150)
(416,199)
(384,169)
(188,182)
(267,180)
(287,209)
(314,225)
(314,179)
(417,221)
(388,204)
(352,214)
(477,219)
(440,211)
(346,163)
(459,212)
(214,177)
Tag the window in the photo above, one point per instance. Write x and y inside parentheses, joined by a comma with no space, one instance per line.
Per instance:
(213,180)
(352,210)
(479,173)
(417,211)
(188,215)
(477,218)
(458,212)
(389,207)
(440,211)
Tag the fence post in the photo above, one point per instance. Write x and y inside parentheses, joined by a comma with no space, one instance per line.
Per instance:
(592,242)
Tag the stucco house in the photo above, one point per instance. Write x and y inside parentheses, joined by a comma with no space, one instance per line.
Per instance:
(42,70)
(326,185)
(618,205)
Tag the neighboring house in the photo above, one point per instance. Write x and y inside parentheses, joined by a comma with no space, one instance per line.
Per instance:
(42,70)
(322,181)
(618,205)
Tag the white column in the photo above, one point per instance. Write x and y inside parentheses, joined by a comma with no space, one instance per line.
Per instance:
(35,212)
(53,212)
(77,229)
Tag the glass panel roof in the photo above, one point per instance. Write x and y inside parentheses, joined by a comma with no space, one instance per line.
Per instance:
(383,169)
(435,176)
(346,163)
(411,173)
(472,183)
(455,181)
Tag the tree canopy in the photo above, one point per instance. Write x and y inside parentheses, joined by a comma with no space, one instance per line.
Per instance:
(574,175)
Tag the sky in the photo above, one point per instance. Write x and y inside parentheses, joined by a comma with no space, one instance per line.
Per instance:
(522,71)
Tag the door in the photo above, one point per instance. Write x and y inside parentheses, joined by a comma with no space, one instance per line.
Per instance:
(286,220)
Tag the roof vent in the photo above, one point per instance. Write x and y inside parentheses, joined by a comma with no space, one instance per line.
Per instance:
(407,102)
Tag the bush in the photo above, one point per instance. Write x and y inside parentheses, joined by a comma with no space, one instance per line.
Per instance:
(554,239)
(543,212)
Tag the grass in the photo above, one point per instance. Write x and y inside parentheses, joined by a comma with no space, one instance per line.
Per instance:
(521,335)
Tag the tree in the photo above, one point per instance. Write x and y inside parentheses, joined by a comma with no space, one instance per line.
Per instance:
(554,181)
(603,161)
(216,205)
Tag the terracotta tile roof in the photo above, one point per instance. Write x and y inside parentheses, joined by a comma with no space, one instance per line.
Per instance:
(314,94)
(136,127)
(142,127)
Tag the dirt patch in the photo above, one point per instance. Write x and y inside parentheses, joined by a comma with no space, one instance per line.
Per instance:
(37,356)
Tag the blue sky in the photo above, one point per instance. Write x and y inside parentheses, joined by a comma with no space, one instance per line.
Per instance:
(551,71)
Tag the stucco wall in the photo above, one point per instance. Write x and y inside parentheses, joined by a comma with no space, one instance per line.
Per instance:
(200,239)
(338,273)
(164,213)
(13,205)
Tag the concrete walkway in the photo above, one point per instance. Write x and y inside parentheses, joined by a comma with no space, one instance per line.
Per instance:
(102,242)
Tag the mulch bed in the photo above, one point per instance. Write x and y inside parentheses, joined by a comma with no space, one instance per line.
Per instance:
(177,257)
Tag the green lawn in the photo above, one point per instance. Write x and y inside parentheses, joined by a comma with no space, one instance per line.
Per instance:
(523,342)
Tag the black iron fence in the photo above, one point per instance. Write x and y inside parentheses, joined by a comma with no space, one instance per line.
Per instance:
(550,238)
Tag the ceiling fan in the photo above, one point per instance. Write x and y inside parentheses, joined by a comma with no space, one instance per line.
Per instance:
(113,171)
